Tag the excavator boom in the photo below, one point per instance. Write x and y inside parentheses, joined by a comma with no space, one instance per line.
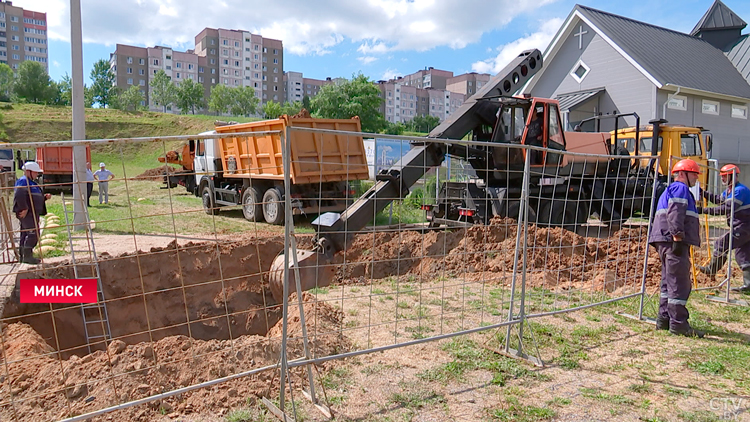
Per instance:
(316,268)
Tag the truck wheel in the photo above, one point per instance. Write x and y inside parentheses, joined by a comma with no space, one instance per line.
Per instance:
(514,209)
(209,206)
(251,208)
(273,207)
(559,214)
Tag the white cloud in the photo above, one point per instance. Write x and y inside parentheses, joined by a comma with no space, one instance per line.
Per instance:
(390,74)
(367,59)
(511,50)
(55,63)
(306,27)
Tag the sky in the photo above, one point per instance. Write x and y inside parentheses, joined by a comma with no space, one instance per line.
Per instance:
(341,38)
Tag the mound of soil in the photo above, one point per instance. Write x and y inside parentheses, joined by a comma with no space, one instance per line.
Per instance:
(156,173)
(46,388)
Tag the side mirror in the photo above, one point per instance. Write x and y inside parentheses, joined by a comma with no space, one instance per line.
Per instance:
(709,143)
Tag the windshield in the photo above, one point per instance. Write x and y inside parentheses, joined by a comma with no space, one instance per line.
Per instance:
(513,123)
(6,154)
(690,145)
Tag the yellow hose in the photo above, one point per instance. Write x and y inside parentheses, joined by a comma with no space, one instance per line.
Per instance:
(692,264)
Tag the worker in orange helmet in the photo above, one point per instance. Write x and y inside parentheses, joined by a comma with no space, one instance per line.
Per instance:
(675,227)
(739,225)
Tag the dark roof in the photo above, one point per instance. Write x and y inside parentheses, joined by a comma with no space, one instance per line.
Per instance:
(669,56)
(572,99)
(739,54)
(718,16)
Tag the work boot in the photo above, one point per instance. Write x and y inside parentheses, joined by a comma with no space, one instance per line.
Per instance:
(27,256)
(746,278)
(687,331)
(662,323)
(713,267)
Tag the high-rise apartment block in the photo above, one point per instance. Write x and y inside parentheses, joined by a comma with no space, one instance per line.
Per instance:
(23,35)
(221,56)
(297,87)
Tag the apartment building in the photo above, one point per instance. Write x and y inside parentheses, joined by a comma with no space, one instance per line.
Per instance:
(468,83)
(230,57)
(401,103)
(23,35)
(427,78)
(297,87)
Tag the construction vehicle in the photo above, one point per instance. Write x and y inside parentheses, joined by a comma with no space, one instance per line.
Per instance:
(7,163)
(565,189)
(248,170)
(57,163)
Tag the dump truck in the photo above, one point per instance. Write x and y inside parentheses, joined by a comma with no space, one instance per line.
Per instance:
(57,163)
(562,187)
(248,170)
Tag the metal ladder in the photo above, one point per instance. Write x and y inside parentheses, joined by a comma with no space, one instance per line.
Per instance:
(92,313)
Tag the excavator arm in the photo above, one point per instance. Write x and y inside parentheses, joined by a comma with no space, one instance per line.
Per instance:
(334,231)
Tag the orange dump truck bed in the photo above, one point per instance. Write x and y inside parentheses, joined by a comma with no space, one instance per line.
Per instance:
(315,157)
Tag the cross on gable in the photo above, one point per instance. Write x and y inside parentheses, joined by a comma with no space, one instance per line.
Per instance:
(580,34)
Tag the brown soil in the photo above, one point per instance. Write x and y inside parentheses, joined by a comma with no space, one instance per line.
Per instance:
(45,388)
(155,173)
(556,258)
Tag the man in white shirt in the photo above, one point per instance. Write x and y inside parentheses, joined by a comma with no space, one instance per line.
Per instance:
(103,176)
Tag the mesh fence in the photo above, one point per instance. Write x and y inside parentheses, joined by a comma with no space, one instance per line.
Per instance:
(199,262)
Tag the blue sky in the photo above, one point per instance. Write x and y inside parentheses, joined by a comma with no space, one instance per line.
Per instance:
(380,38)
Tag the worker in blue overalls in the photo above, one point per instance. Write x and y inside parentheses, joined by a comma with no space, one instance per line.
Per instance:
(29,202)
(739,226)
(675,228)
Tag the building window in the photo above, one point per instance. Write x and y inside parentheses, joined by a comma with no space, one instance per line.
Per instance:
(225,52)
(236,43)
(678,102)
(739,111)
(213,42)
(156,62)
(200,79)
(213,80)
(130,60)
(256,47)
(14,18)
(178,75)
(236,54)
(213,61)
(142,82)
(275,78)
(225,42)
(15,47)
(168,57)
(14,38)
(130,81)
(275,61)
(226,72)
(213,71)
(130,70)
(142,61)
(237,63)
(213,51)
(169,67)
(579,72)
(200,69)
(178,65)
(711,107)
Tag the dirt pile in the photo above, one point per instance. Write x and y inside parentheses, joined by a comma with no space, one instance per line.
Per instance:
(556,258)
(202,290)
(155,173)
(45,388)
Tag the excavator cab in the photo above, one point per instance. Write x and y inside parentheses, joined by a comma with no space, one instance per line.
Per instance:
(535,122)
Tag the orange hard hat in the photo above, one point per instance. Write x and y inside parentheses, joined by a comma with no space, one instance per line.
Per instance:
(729,169)
(686,165)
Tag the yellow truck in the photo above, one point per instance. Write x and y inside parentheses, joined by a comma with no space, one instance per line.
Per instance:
(249,171)
(674,141)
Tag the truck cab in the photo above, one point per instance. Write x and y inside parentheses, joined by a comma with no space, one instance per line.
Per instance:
(674,141)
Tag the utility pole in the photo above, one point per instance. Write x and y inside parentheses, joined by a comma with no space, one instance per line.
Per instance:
(80,218)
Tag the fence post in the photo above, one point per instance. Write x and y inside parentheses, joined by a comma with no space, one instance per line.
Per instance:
(648,234)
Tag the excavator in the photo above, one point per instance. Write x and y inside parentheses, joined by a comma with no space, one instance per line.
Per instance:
(563,189)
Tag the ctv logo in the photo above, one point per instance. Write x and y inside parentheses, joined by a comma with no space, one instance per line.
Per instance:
(80,290)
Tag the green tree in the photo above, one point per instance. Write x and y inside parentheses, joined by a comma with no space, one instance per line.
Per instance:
(290,109)
(306,103)
(272,110)
(423,123)
(88,96)
(221,99)
(131,99)
(244,101)
(103,81)
(163,90)
(189,96)
(394,128)
(33,84)
(66,90)
(358,97)
(6,81)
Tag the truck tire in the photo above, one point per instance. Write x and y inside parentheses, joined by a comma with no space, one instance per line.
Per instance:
(559,214)
(514,209)
(251,207)
(207,196)
(273,207)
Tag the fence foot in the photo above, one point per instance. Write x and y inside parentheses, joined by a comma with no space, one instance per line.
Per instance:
(276,411)
(325,410)
(724,300)
(647,320)
(515,354)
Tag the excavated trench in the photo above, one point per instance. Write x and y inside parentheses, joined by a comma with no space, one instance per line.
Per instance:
(187,290)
